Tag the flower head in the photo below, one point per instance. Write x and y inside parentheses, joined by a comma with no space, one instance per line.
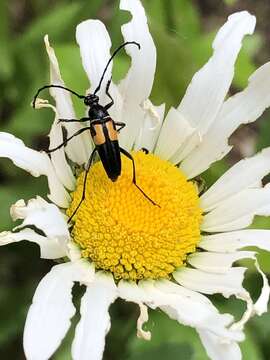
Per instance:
(119,244)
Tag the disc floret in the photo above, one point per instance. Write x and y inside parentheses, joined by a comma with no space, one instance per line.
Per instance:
(122,232)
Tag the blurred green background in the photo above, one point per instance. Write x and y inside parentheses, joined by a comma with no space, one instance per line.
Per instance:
(183,31)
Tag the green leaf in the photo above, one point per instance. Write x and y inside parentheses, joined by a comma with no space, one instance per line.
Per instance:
(230,2)
(156,9)
(58,23)
(251,348)
(185,18)
(11,324)
(27,122)
(164,351)
(6,59)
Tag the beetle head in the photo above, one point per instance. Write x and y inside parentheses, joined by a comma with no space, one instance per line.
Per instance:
(91,99)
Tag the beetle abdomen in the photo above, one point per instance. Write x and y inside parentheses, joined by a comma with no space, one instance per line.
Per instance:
(109,154)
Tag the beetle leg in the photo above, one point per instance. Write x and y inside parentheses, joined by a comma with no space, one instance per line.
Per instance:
(84,183)
(109,95)
(73,120)
(121,126)
(127,154)
(146,151)
(67,140)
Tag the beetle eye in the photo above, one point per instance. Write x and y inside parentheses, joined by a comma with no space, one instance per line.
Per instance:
(87,100)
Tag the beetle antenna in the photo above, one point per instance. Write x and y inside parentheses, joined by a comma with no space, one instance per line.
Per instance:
(113,55)
(55,86)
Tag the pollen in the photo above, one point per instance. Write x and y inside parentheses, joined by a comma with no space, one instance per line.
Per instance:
(123,233)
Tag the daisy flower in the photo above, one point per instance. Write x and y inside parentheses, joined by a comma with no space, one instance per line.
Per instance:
(119,245)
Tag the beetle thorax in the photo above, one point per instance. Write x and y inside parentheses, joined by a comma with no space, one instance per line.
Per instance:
(97,111)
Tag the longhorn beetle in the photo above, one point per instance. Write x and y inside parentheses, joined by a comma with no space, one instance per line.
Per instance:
(104,131)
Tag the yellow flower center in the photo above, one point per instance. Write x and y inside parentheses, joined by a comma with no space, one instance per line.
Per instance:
(122,232)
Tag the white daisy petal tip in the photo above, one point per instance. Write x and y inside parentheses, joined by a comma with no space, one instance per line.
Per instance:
(131,292)
(55,72)
(44,215)
(49,248)
(95,44)
(36,163)
(261,305)
(137,30)
(40,103)
(210,85)
(136,87)
(242,19)
(142,319)
(50,314)
(17,210)
(78,148)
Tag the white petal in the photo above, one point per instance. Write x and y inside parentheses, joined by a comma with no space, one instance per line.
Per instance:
(140,77)
(149,132)
(261,304)
(95,322)
(191,142)
(58,158)
(232,241)
(210,85)
(218,350)
(242,108)
(137,85)
(50,315)
(238,211)
(49,248)
(130,291)
(43,215)
(186,306)
(259,307)
(241,176)
(35,162)
(189,308)
(216,262)
(142,319)
(174,132)
(95,44)
(229,283)
(79,148)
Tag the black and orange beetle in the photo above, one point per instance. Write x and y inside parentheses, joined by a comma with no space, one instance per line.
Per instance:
(104,131)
